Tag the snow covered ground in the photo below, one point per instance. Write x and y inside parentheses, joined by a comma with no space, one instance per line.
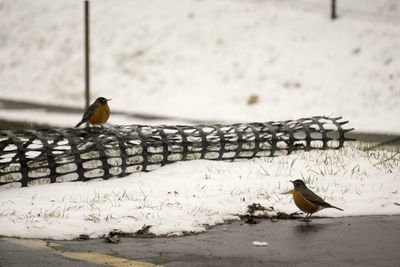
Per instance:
(188,196)
(202,60)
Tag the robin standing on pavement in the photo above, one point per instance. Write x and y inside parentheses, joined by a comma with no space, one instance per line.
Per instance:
(97,113)
(307,200)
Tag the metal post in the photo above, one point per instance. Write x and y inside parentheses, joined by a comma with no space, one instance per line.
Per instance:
(333,10)
(87,52)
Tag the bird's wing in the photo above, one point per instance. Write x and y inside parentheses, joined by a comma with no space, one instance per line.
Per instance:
(89,112)
(314,198)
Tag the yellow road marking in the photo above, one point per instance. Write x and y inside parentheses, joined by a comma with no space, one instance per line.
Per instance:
(83,256)
(30,243)
(106,259)
(53,245)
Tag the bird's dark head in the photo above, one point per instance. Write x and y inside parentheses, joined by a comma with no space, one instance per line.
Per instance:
(102,100)
(298,184)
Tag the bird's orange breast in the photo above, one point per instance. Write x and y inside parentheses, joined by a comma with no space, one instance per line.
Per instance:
(100,115)
(303,203)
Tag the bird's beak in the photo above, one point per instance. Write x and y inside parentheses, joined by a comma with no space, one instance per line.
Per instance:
(108,99)
(288,192)
(291,181)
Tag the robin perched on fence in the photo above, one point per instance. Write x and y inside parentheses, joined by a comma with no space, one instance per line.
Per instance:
(97,113)
(307,200)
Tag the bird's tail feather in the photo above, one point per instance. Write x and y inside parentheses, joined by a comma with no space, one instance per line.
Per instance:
(79,124)
(336,208)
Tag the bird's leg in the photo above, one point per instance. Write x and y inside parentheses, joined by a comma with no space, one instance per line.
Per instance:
(102,128)
(89,129)
(307,218)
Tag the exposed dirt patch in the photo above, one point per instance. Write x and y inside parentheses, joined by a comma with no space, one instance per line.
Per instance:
(257,212)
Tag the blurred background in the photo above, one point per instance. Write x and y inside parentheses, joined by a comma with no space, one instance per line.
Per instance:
(191,61)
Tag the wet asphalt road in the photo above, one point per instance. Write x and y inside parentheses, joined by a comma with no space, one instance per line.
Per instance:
(349,241)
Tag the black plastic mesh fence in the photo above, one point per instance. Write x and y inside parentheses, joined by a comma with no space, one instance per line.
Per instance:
(29,157)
